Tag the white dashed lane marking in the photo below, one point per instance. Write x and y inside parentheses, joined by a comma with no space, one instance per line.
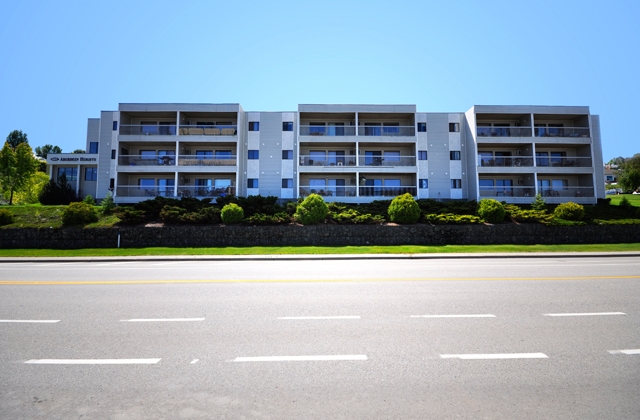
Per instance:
(587,314)
(301,358)
(93,361)
(33,321)
(454,316)
(163,320)
(628,352)
(320,317)
(495,356)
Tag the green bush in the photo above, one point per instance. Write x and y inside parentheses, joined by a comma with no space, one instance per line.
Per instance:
(404,209)
(452,219)
(431,206)
(232,213)
(107,204)
(89,200)
(130,215)
(342,214)
(6,217)
(625,203)
(538,203)
(79,213)
(268,219)
(312,210)
(569,211)
(172,214)
(491,210)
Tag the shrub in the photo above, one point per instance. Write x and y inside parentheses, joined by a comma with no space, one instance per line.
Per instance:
(172,214)
(232,213)
(131,216)
(312,210)
(452,219)
(538,203)
(404,209)
(431,206)
(6,217)
(107,204)
(569,211)
(79,213)
(57,193)
(625,203)
(491,210)
(268,219)
(89,200)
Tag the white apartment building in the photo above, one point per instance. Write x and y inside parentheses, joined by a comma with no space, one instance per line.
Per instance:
(346,153)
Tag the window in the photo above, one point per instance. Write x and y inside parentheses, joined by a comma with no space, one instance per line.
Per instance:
(391,157)
(165,187)
(373,158)
(317,157)
(316,129)
(70,173)
(254,154)
(422,155)
(335,129)
(204,154)
(454,155)
(252,183)
(287,183)
(542,159)
(112,183)
(223,154)
(147,186)
(486,185)
(166,157)
(93,147)
(423,183)
(456,184)
(287,126)
(254,126)
(147,154)
(372,129)
(422,127)
(203,187)
(115,125)
(336,157)
(91,174)
(287,154)
(113,153)
(454,127)
(390,129)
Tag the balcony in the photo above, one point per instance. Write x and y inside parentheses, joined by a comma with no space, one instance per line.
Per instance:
(329,131)
(147,130)
(566,162)
(505,162)
(330,191)
(503,131)
(548,192)
(198,160)
(382,161)
(386,131)
(156,160)
(351,191)
(572,132)
(152,191)
(208,130)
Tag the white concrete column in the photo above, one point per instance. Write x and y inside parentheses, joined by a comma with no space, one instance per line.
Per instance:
(79,169)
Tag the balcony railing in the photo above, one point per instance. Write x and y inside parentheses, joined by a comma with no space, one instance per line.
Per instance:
(505,161)
(137,160)
(562,131)
(509,191)
(573,161)
(351,191)
(331,131)
(195,160)
(149,191)
(309,160)
(208,130)
(504,131)
(385,131)
(147,130)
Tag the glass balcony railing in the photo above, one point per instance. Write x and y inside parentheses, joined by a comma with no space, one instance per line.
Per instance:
(511,191)
(387,131)
(137,160)
(556,162)
(505,161)
(151,191)
(147,130)
(330,131)
(351,191)
(204,191)
(562,131)
(314,160)
(375,191)
(331,191)
(208,130)
(504,131)
(199,160)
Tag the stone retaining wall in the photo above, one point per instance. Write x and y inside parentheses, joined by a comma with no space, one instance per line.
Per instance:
(321,235)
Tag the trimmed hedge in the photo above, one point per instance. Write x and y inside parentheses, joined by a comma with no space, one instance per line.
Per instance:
(6,217)
(491,210)
(569,211)
(232,213)
(404,209)
(79,213)
(312,210)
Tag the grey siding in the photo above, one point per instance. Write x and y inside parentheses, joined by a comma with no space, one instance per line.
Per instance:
(270,153)
(597,156)
(438,155)
(104,153)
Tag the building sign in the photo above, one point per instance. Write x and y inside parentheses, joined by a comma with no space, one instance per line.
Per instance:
(69,157)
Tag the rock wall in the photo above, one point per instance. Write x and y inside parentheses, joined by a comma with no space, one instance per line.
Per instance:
(320,235)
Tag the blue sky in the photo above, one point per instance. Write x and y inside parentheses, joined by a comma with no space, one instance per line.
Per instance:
(63,62)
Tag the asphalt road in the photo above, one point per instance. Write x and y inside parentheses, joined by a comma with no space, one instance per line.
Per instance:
(438,338)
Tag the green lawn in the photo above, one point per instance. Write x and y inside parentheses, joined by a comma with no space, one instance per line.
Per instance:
(315,250)
(633,199)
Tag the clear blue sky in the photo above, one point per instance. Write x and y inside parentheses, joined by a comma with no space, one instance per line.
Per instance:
(63,62)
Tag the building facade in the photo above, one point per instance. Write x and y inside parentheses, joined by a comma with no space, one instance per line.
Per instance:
(346,153)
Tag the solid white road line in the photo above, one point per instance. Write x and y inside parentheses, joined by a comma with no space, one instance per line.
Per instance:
(630,351)
(495,356)
(454,316)
(320,317)
(194,361)
(163,320)
(587,314)
(36,321)
(301,358)
(93,361)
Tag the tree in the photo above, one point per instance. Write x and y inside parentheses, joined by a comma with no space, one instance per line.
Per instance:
(78,151)
(629,174)
(57,193)
(46,149)
(16,137)
(16,168)
(31,191)
(617,161)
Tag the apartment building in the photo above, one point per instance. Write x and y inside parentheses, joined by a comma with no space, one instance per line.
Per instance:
(346,153)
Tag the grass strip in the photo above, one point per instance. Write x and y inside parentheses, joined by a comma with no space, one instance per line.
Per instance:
(316,250)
